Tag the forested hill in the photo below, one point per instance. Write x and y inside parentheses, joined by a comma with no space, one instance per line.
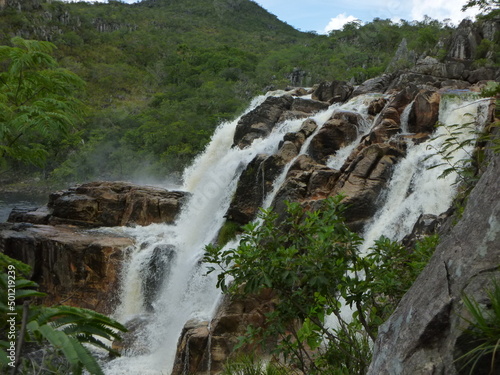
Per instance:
(161,74)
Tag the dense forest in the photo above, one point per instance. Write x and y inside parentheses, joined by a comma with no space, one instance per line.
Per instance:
(160,75)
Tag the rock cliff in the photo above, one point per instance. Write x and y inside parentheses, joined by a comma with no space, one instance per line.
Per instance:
(77,265)
(423,336)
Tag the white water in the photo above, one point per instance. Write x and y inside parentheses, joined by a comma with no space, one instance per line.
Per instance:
(415,189)
(186,292)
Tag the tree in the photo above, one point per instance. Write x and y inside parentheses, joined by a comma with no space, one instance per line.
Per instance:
(38,102)
(311,262)
(484,5)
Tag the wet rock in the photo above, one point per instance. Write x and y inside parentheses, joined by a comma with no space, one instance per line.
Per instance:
(32,215)
(202,344)
(258,178)
(99,203)
(78,267)
(335,134)
(156,271)
(389,122)
(259,122)
(133,341)
(424,113)
(308,106)
(378,84)
(376,106)
(333,92)
(363,180)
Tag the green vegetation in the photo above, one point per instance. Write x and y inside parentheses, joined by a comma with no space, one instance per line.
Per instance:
(248,365)
(60,332)
(312,263)
(38,108)
(483,334)
(160,75)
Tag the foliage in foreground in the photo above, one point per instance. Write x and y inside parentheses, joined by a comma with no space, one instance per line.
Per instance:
(312,263)
(483,334)
(60,333)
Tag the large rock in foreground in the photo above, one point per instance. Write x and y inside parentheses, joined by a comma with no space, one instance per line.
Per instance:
(98,204)
(75,267)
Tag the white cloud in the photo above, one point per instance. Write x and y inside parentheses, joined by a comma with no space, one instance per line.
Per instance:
(338,22)
(440,10)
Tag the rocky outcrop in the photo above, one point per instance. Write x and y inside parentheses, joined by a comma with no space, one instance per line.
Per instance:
(339,131)
(333,92)
(257,179)
(74,267)
(363,180)
(80,266)
(204,347)
(262,120)
(108,204)
(259,122)
(425,333)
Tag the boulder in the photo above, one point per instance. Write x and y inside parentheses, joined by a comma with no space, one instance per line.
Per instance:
(389,122)
(363,179)
(425,335)
(75,267)
(336,133)
(376,106)
(97,204)
(378,84)
(424,112)
(205,348)
(333,92)
(260,122)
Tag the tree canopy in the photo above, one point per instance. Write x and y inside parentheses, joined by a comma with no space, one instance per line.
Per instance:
(38,102)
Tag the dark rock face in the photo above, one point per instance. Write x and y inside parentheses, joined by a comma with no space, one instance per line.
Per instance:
(232,319)
(259,122)
(107,204)
(333,92)
(258,177)
(80,268)
(338,132)
(424,112)
(425,334)
(363,180)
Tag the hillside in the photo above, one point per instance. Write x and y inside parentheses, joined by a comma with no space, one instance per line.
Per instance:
(161,74)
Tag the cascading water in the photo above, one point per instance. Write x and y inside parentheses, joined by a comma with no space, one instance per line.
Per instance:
(184,292)
(416,189)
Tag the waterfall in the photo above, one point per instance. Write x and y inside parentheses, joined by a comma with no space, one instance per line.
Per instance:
(415,189)
(184,292)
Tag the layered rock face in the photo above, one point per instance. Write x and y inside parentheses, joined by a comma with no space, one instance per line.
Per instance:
(76,265)
(107,204)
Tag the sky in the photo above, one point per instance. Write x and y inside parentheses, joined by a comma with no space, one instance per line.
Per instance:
(323,16)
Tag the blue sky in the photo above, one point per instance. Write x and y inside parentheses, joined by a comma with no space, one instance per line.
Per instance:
(325,15)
